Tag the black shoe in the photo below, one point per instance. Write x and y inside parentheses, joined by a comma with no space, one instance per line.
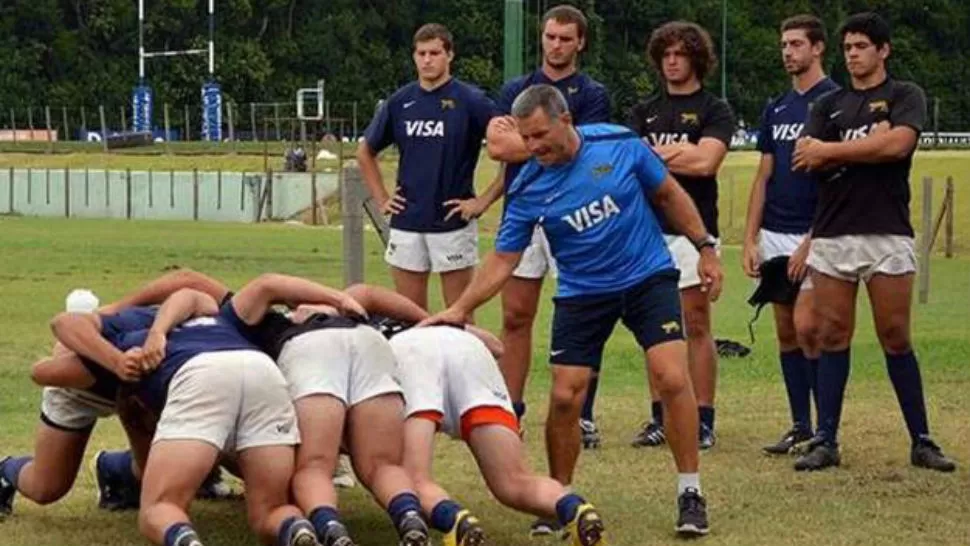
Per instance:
(651,435)
(7,493)
(926,454)
(819,454)
(302,534)
(544,528)
(692,520)
(789,443)
(336,535)
(706,438)
(413,531)
(114,493)
(590,434)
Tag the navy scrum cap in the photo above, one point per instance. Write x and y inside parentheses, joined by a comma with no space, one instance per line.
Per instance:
(774,287)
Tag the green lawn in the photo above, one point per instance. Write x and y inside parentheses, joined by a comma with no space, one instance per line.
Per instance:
(735,177)
(875,498)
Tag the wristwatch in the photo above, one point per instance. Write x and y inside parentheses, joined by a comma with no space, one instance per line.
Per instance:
(707,240)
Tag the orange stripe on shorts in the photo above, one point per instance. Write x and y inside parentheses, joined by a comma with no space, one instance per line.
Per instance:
(487,415)
(435,417)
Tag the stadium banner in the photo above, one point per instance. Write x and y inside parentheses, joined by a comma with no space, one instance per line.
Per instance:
(211,111)
(141,105)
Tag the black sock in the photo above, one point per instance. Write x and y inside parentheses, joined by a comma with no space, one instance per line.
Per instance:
(833,374)
(904,373)
(795,369)
(706,414)
(813,383)
(657,409)
(594,383)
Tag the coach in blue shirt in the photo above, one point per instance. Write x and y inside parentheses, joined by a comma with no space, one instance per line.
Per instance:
(588,188)
(438,124)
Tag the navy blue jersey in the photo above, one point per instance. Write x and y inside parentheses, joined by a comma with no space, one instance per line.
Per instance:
(587,99)
(865,198)
(594,211)
(439,135)
(790,196)
(275,329)
(185,341)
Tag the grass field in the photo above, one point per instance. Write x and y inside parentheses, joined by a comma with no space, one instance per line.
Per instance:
(875,498)
(735,177)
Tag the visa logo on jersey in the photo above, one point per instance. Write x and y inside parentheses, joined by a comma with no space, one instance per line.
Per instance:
(786,131)
(424,128)
(856,133)
(663,139)
(592,214)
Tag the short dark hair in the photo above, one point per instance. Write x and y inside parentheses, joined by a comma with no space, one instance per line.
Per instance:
(697,43)
(565,14)
(431,31)
(870,24)
(813,26)
(543,96)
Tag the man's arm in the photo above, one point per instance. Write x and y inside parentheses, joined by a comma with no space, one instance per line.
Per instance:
(701,159)
(81,333)
(63,370)
(756,209)
(679,209)
(476,206)
(879,147)
(503,141)
(158,290)
(488,280)
(178,308)
(378,135)
(254,299)
(381,301)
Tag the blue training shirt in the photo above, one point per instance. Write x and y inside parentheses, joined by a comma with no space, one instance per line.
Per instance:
(587,99)
(790,196)
(594,211)
(439,135)
(129,329)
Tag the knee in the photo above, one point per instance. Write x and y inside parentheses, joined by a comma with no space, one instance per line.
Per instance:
(788,337)
(894,337)
(508,489)
(517,318)
(834,333)
(566,397)
(369,467)
(697,321)
(49,494)
(806,335)
(669,380)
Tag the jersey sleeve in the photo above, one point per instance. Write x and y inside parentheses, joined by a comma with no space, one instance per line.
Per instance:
(909,108)
(482,110)
(818,117)
(719,123)
(597,107)
(128,320)
(766,143)
(380,132)
(518,220)
(634,119)
(648,167)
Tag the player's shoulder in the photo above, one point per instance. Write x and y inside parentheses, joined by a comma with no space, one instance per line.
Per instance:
(517,84)
(648,103)
(712,102)
(904,88)
(600,132)
(403,93)
(468,89)
(530,172)
(590,84)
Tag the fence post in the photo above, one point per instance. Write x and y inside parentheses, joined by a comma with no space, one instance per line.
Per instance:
(936,122)
(30,186)
(10,192)
(731,201)
(354,120)
(219,189)
(949,201)
(195,194)
(30,121)
(171,188)
(13,124)
(276,117)
(151,189)
(926,240)
(67,132)
(232,128)
(313,196)
(104,129)
(168,129)
(353,232)
(124,119)
(47,122)
(84,122)
(188,134)
(252,121)
(128,194)
(67,192)
(87,188)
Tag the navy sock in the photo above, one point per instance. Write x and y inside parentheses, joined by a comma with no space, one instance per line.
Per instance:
(594,383)
(321,517)
(117,465)
(12,468)
(813,382)
(904,373)
(444,515)
(178,533)
(401,505)
(566,508)
(833,374)
(795,370)
(657,410)
(519,408)
(706,414)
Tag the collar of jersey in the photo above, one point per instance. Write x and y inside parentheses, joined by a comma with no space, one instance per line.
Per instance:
(811,89)
(546,79)
(872,89)
(679,96)
(436,90)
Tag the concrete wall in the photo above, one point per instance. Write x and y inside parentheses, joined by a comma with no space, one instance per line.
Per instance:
(222,196)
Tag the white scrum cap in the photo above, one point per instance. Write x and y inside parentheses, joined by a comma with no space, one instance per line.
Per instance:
(81,300)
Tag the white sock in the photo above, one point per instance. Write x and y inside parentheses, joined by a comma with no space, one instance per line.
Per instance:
(688,480)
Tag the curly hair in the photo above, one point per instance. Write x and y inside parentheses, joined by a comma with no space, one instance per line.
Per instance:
(697,45)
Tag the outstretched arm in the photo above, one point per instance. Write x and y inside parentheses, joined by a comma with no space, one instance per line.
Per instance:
(382,301)
(81,333)
(158,290)
(254,300)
